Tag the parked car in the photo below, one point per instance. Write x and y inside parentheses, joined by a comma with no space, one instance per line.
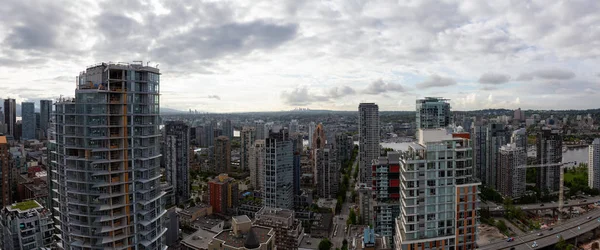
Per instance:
(511,239)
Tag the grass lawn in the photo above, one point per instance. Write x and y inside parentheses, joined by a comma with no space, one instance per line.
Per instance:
(25,205)
(569,176)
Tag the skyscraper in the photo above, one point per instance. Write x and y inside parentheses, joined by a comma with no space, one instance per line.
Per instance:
(497,136)
(549,151)
(511,178)
(298,146)
(445,180)
(311,131)
(278,191)
(344,146)
(177,159)
(45,113)
(433,112)
(594,164)
(519,138)
(26,225)
(227,129)
(28,121)
(209,134)
(328,171)
(10,116)
(247,138)
(257,164)
(293,126)
(317,143)
(259,126)
(222,155)
(5,167)
(368,140)
(107,191)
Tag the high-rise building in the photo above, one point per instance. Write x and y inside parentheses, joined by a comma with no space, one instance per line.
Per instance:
(199,136)
(223,194)
(519,138)
(45,113)
(209,134)
(479,141)
(26,225)
(511,175)
(365,196)
(222,155)
(177,159)
(297,142)
(294,127)
(497,136)
(519,115)
(437,170)
(257,164)
(227,129)
(259,126)
(247,138)
(328,171)
(386,193)
(317,143)
(549,151)
(594,164)
(5,167)
(368,140)
(311,131)
(344,146)
(288,229)
(433,112)
(10,116)
(108,160)
(28,120)
(278,190)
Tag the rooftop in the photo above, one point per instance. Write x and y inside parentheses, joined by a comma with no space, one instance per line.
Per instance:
(25,205)
(241,219)
(276,212)
(193,209)
(309,242)
(3,140)
(199,239)
(230,239)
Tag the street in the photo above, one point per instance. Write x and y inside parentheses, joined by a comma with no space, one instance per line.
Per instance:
(339,234)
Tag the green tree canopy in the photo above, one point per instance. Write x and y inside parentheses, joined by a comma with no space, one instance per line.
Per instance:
(325,244)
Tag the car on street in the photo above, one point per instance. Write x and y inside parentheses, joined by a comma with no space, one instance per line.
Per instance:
(550,229)
(535,244)
(511,239)
(541,205)
(540,234)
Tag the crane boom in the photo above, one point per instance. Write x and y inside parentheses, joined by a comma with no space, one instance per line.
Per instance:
(561,186)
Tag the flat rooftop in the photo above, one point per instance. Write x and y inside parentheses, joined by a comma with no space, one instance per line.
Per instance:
(24,206)
(262,234)
(199,240)
(267,211)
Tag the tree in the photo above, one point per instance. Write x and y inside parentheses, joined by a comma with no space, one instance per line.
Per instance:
(501,226)
(352,217)
(325,244)
(561,244)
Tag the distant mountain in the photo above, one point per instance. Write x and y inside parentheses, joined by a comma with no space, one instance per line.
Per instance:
(164,110)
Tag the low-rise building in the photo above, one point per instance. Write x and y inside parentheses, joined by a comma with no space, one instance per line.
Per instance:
(287,228)
(244,235)
(189,215)
(199,240)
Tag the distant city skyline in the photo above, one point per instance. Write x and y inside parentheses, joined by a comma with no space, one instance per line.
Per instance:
(240,56)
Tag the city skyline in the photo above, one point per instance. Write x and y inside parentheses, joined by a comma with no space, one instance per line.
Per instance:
(235,57)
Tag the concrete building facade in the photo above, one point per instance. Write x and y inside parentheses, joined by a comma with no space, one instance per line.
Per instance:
(439,194)
(45,114)
(10,116)
(28,121)
(288,229)
(222,155)
(5,175)
(549,151)
(257,164)
(26,225)
(433,112)
(328,171)
(594,164)
(368,140)
(386,194)
(247,138)
(511,178)
(278,190)
(107,160)
(177,159)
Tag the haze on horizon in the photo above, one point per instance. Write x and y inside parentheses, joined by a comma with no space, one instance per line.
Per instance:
(235,56)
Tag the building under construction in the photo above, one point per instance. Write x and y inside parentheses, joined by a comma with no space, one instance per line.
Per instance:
(106,191)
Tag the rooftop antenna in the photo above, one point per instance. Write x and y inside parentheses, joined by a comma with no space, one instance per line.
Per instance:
(156,65)
(148,62)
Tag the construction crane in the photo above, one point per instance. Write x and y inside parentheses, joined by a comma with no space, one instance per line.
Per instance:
(562,166)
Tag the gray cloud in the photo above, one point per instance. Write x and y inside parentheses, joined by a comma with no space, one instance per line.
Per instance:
(379,86)
(342,91)
(300,96)
(214,97)
(436,81)
(234,38)
(493,78)
(489,88)
(548,74)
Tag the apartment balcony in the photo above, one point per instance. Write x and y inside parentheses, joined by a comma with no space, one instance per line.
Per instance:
(147,243)
(145,222)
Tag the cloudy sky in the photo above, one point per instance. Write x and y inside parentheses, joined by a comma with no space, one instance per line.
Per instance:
(229,56)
